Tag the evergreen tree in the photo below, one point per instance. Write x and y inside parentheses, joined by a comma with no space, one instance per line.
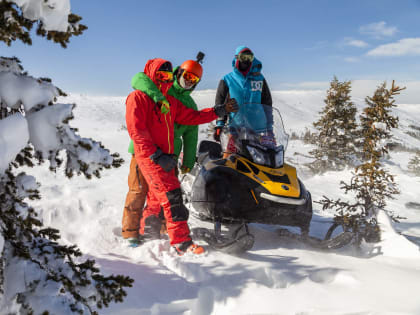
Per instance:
(371,184)
(336,130)
(37,273)
(414,164)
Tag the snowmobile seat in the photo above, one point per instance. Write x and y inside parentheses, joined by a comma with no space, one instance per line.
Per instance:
(210,149)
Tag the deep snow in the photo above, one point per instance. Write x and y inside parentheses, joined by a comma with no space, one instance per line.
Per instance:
(276,276)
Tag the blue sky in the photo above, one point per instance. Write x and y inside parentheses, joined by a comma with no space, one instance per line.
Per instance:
(300,43)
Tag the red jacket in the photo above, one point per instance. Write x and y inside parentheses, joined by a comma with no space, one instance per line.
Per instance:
(148,127)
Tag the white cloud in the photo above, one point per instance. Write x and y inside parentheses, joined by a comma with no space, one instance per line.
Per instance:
(378,30)
(404,47)
(355,42)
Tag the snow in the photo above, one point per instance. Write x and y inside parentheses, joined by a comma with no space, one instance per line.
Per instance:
(25,183)
(52,13)
(380,125)
(394,244)
(276,276)
(43,126)
(35,92)
(10,64)
(1,243)
(14,137)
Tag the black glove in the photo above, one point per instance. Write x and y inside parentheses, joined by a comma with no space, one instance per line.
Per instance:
(164,160)
(232,105)
(217,133)
(223,109)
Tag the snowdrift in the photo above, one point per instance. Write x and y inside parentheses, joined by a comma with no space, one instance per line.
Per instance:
(275,277)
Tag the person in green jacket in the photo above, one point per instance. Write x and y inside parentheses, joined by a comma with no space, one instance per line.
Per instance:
(187,77)
(186,136)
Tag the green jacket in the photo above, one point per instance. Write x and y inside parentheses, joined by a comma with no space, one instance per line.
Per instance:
(184,135)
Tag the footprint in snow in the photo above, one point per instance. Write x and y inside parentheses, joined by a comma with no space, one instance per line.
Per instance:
(325,275)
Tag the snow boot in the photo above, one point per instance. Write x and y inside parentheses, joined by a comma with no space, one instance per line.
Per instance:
(152,228)
(189,247)
(133,241)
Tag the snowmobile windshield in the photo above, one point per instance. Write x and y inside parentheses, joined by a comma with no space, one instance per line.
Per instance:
(259,134)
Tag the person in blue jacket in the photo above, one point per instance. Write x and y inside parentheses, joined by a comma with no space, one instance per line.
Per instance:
(244,85)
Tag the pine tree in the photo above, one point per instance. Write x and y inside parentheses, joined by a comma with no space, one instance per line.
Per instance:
(371,184)
(336,130)
(16,24)
(414,164)
(33,264)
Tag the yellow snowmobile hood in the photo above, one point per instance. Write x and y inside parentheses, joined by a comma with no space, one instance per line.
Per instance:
(278,181)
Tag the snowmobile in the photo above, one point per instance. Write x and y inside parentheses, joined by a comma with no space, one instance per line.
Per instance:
(252,185)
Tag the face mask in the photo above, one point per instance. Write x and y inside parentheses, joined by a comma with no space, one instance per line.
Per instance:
(185,84)
(243,66)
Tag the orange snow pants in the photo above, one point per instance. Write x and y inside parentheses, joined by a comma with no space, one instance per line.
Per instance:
(134,202)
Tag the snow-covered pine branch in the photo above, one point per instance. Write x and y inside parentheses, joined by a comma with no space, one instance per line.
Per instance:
(53,18)
(54,279)
(46,124)
(37,273)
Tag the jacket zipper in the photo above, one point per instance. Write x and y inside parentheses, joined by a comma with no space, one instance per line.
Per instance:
(167,127)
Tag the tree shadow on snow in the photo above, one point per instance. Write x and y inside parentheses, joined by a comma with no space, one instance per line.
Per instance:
(158,290)
(414,239)
(151,286)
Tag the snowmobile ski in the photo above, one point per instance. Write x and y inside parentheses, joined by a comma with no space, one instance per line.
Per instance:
(235,245)
(336,242)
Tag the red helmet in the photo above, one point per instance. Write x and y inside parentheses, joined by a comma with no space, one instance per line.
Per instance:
(193,67)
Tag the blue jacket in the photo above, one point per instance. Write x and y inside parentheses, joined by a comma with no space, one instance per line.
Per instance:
(247,91)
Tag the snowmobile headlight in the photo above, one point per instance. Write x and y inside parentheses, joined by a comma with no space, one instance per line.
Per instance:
(257,156)
(279,158)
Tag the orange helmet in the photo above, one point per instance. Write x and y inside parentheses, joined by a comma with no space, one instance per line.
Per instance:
(193,67)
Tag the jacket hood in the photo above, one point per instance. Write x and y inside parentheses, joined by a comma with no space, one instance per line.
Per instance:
(241,48)
(143,83)
(150,69)
(256,66)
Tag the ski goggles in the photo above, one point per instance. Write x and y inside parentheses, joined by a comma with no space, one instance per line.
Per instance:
(191,77)
(244,57)
(164,76)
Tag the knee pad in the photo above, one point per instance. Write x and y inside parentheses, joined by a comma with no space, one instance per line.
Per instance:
(179,211)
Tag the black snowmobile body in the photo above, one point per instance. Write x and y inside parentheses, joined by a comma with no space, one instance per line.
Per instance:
(237,190)
(252,185)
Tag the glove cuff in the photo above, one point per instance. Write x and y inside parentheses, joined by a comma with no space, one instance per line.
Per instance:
(220,110)
(155,156)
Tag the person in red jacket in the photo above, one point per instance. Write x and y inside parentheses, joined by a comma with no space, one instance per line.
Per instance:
(151,127)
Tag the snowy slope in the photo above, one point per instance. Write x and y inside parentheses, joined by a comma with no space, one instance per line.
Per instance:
(275,277)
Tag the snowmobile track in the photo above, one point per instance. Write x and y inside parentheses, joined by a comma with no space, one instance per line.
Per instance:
(336,242)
